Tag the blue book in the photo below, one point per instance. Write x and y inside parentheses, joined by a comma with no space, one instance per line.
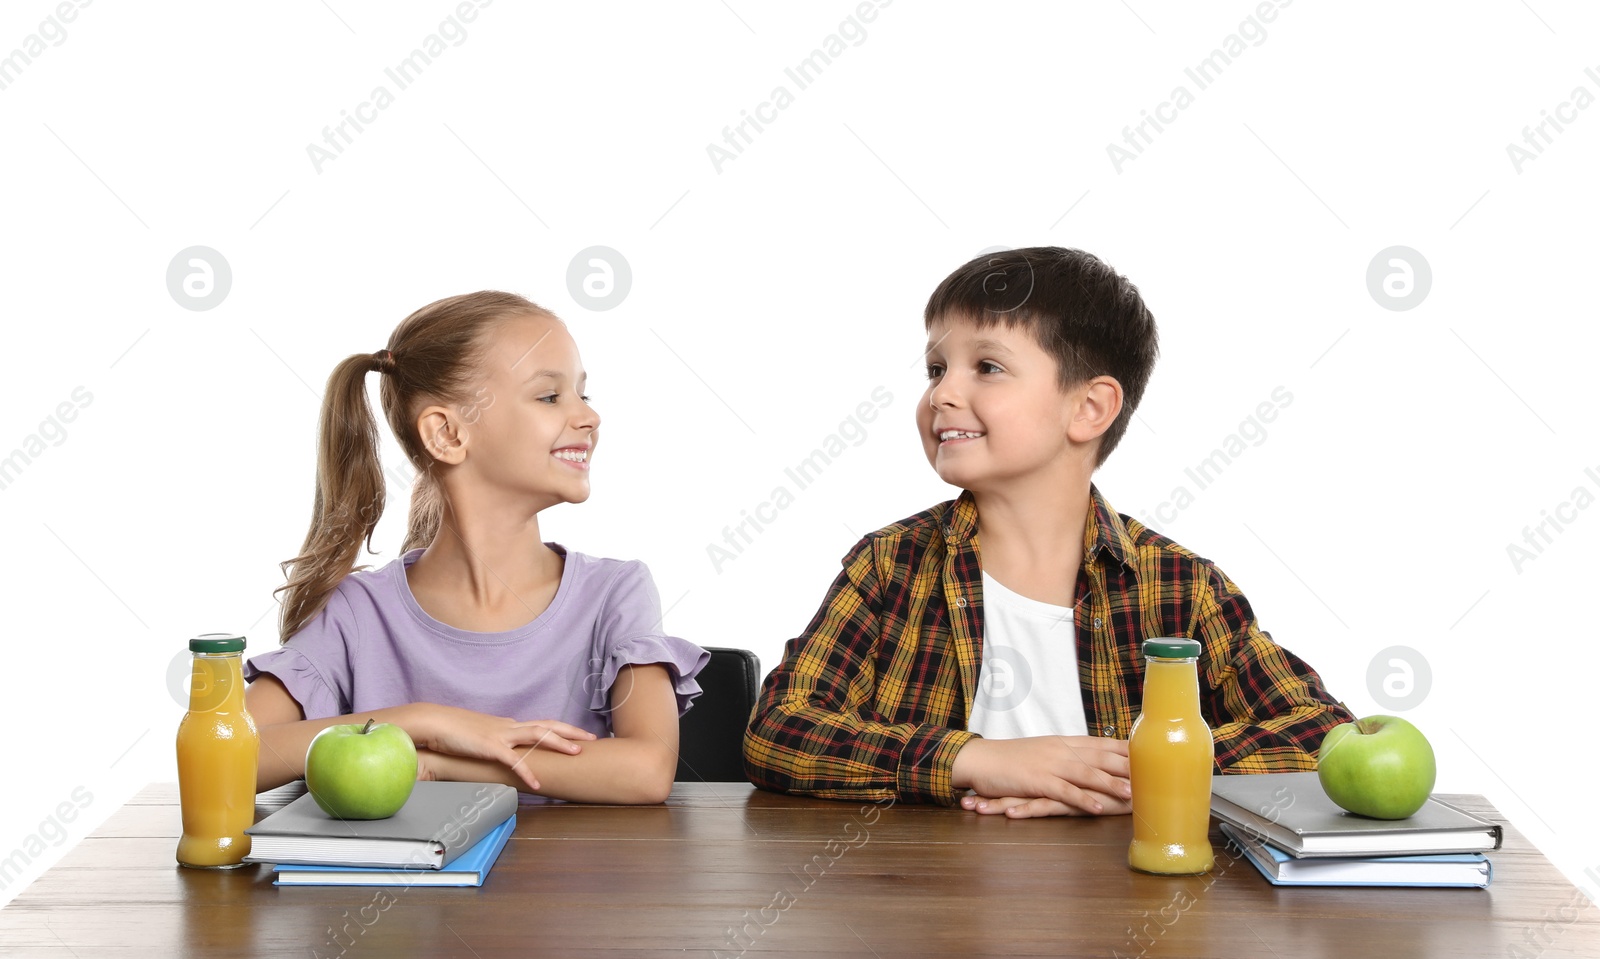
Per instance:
(468,869)
(1472,870)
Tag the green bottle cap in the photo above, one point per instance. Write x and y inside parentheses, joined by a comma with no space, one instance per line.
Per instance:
(1172,648)
(217,643)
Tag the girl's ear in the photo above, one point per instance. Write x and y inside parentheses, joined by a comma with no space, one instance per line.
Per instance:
(442,435)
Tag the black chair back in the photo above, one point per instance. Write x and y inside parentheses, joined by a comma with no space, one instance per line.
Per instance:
(711,733)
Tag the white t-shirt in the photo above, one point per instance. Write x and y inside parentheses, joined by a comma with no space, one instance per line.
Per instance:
(1028,683)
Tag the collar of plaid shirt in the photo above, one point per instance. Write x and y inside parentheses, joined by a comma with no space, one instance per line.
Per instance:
(1104,531)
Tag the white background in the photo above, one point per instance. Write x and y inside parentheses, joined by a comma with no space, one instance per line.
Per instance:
(769,299)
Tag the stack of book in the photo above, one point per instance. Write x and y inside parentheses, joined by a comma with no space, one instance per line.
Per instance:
(447,834)
(1296,836)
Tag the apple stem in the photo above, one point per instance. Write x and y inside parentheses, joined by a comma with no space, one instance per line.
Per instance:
(1367,727)
(368,725)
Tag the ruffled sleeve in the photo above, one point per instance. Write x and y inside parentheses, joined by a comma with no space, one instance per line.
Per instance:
(314,664)
(628,633)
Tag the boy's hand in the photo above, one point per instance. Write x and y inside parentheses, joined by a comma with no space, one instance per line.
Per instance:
(1015,807)
(1067,775)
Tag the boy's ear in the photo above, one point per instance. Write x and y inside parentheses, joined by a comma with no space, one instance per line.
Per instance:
(442,435)
(1095,407)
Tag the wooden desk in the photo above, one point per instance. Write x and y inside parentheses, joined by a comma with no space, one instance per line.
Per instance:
(723,869)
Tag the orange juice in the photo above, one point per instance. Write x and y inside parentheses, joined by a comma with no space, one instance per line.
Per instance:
(1171,759)
(217,750)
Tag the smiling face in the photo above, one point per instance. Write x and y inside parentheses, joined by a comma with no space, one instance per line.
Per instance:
(529,430)
(994,412)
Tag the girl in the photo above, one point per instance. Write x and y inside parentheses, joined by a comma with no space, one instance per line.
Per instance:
(507,659)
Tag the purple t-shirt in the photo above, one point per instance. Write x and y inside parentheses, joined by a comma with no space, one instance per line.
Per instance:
(373,646)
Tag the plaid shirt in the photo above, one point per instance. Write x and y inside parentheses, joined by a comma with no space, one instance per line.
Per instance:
(871,701)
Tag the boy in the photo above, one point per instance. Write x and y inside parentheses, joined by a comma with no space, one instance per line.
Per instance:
(932,668)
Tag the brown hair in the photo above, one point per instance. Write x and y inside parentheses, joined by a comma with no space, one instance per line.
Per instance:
(434,355)
(1082,312)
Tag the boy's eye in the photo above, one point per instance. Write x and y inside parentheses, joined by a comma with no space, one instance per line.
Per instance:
(984,366)
(935,370)
(549,399)
(584,397)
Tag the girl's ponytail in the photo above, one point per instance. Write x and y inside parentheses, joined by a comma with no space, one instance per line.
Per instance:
(349,495)
(434,357)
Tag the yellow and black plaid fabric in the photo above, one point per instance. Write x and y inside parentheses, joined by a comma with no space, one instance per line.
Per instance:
(871,701)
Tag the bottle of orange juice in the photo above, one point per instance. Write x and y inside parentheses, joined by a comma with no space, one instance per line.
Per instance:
(1171,760)
(217,751)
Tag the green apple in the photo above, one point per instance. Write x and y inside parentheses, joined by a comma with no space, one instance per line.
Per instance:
(361,772)
(1380,766)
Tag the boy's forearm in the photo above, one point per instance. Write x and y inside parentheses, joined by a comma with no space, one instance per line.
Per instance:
(814,752)
(816,738)
(1273,713)
(1284,742)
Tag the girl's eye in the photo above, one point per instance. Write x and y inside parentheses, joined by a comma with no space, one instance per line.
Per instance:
(584,397)
(984,366)
(549,399)
(935,371)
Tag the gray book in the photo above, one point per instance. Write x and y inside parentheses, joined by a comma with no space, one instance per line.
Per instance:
(439,822)
(1291,811)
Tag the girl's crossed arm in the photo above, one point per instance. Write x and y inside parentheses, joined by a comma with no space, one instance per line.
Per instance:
(635,766)
(439,732)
